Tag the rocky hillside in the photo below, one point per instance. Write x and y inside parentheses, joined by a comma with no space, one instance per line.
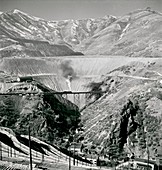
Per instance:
(50,115)
(25,35)
(136,34)
(128,117)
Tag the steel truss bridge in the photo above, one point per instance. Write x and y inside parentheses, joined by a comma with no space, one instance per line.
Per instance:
(80,98)
(65,94)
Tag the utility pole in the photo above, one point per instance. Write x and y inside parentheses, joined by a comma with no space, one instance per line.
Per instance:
(148,157)
(0,151)
(30,151)
(148,153)
(74,153)
(69,159)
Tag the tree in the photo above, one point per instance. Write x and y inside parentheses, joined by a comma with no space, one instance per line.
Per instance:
(8,111)
(126,126)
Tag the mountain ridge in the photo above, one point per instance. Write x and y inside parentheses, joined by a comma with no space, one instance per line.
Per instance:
(17,24)
(17,27)
(136,34)
(133,35)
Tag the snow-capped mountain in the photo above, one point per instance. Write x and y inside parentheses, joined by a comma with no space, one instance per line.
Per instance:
(136,34)
(22,34)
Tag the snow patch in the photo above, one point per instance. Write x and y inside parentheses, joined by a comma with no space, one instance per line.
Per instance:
(73,39)
(23,27)
(56,32)
(89,24)
(113,16)
(37,18)
(124,31)
(11,27)
(109,16)
(32,27)
(52,24)
(45,27)
(16,11)
(73,28)
(9,39)
(17,47)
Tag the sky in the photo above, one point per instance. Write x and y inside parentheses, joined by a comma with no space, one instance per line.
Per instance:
(78,9)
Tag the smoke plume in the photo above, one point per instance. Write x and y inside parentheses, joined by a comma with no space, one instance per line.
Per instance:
(68,72)
(67,69)
(68,81)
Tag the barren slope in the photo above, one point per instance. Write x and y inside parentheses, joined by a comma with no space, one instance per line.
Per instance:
(84,69)
(25,35)
(103,118)
(137,34)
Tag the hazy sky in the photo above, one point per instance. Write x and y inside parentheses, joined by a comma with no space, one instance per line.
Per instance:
(77,9)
